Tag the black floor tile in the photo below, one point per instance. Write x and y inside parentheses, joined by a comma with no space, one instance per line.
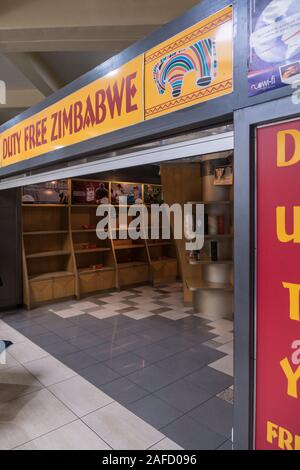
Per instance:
(32,330)
(204,354)
(183,395)
(123,390)
(191,322)
(128,340)
(227,445)
(215,414)
(157,334)
(141,364)
(192,435)
(71,332)
(188,361)
(15,318)
(153,353)
(151,378)
(86,341)
(106,351)
(85,320)
(210,380)
(104,334)
(118,320)
(139,327)
(198,336)
(126,363)
(175,344)
(54,324)
(60,348)
(78,360)
(99,374)
(46,339)
(22,322)
(154,411)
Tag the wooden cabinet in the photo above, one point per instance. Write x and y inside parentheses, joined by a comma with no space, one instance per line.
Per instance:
(97,281)
(63,256)
(134,273)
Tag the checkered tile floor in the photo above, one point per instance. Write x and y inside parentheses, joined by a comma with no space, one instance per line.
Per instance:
(147,352)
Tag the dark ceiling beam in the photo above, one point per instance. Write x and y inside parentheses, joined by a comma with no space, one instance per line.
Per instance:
(36,71)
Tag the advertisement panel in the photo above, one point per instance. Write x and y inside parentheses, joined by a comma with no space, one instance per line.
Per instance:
(89,192)
(274,44)
(277,419)
(51,192)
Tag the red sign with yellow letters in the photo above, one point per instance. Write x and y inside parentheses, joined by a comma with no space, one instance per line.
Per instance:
(278,287)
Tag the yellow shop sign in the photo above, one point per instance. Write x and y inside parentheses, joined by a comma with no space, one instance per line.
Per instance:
(194,66)
(107,104)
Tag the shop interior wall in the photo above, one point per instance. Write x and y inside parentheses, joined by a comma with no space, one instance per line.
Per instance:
(10,248)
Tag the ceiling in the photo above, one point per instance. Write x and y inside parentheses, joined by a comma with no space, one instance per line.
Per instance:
(46,44)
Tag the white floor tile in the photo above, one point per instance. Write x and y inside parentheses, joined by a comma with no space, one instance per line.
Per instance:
(26,351)
(49,370)
(105,313)
(10,334)
(223,338)
(226,348)
(174,315)
(222,324)
(68,312)
(220,331)
(73,436)
(140,300)
(15,382)
(80,396)
(29,417)
(84,305)
(166,444)
(113,307)
(210,316)
(9,361)
(225,365)
(122,429)
(138,314)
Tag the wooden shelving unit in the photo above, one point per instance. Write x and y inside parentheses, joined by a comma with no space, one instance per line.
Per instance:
(131,255)
(162,256)
(49,271)
(63,256)
(94,258)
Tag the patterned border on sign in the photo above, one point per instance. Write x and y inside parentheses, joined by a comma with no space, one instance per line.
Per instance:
(198,32)
(196,95)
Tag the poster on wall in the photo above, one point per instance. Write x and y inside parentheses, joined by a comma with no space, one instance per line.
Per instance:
(153,194)
(126,193)
(90,192)
(51,192)
(274,45)
(277,414)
